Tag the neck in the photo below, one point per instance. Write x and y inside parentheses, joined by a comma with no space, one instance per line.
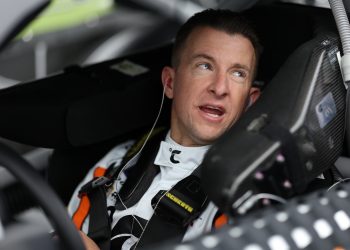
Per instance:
(184,141)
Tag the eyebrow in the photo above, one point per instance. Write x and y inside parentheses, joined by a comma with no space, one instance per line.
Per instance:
(210,58)
(201,55)
(205,56)
(241,66)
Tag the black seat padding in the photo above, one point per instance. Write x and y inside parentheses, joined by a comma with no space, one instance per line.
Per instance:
(84,106)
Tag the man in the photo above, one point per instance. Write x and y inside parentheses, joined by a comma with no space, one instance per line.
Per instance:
(214,63)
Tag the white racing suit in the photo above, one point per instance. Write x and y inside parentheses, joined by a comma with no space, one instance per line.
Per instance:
(127,225)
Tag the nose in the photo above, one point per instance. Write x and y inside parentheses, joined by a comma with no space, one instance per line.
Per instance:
(219,85)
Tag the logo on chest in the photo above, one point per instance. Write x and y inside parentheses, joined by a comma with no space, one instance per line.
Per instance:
(172,157)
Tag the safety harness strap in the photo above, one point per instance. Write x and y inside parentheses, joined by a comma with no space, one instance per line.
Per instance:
(175,210)
(141,175)
(159,230)
(95,190)
(84,206)
(99,223)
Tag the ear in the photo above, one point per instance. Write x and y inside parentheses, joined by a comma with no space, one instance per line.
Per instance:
(168,75)
(254,95)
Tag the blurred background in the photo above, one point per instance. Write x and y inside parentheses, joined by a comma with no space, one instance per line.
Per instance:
(83,32)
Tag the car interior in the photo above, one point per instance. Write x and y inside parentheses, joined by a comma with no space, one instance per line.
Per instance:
(74,117)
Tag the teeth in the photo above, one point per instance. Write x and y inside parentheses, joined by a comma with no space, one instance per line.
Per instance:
(212,111)
(213,115)
(212,107)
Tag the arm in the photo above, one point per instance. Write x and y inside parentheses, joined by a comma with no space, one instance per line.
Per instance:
(89,243)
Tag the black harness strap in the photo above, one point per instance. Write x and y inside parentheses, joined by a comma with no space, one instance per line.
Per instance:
(99,223)
(141,175)
(175,210)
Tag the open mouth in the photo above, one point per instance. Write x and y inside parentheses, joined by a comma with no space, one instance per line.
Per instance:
(213,111)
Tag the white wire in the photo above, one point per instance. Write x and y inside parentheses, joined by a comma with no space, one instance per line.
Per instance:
(144,229)
(335,184)
(139,152)
(252,200)
(270,197)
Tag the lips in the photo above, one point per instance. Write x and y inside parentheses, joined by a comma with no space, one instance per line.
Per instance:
(212,111)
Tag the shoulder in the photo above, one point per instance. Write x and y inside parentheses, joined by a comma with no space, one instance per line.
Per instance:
(116,154)
(203,224)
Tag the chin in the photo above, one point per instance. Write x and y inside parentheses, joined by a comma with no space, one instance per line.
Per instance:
(208,138)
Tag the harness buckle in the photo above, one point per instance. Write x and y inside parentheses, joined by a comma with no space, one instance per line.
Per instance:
(172,207)
(182,204)
(95,183)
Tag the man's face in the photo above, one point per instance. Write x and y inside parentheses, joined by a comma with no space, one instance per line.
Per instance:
(210,86)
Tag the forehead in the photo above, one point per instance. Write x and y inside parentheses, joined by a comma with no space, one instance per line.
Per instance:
(219,43)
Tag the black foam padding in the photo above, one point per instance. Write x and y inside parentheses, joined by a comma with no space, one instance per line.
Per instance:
(84,106)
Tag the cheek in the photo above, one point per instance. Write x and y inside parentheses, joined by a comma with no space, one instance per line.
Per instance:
(180,96)
(239,99)
(184,99)
(185,91)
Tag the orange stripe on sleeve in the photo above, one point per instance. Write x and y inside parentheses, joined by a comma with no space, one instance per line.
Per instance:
(84,206)
(221,221)
(82,212)
(99,172)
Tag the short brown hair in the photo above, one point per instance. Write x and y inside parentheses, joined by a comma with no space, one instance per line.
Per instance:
(223,20)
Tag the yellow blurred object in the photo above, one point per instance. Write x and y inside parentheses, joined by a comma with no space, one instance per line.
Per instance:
(62,14)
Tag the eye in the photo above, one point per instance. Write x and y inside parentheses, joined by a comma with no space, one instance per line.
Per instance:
(240,74)
(204,66)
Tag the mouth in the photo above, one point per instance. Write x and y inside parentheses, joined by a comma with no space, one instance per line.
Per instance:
(212,111)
